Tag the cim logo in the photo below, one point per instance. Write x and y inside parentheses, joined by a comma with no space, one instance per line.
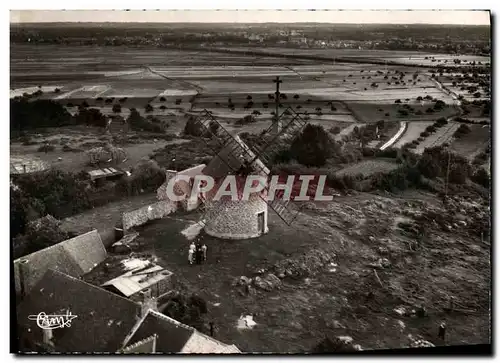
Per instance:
(50,322)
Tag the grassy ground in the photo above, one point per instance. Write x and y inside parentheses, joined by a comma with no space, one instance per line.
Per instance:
(472,143)
(348,301)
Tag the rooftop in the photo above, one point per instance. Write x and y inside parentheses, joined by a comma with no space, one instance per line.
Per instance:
(175,337)
(102,321)
(104,173)
(138,279)
(75,257)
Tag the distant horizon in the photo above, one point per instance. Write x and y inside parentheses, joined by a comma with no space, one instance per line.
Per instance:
(242,23)
(368,17)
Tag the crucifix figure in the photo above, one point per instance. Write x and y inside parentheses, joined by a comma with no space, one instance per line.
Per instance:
(276,122)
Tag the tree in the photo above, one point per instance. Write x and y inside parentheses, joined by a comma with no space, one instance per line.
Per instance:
(439,105)
(397,101)
(162,99)
(187,310)
(481,177)
(117,108)
(26,114)
(91,117)
(312,146)
(193,128)
(148,108)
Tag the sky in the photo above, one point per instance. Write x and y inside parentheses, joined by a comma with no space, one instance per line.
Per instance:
(462,17)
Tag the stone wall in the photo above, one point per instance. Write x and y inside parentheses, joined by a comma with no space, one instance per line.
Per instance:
(181,187)
(147,213)
(236,219)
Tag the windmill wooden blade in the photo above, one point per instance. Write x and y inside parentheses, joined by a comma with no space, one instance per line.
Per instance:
(237,154)
(272,145)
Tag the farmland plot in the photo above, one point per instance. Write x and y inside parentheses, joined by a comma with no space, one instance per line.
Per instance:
(368,167)
(442,135)
(412,132)
(471,144)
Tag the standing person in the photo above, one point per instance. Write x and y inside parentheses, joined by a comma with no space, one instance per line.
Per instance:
(204,250)
(199,254)
(191,253)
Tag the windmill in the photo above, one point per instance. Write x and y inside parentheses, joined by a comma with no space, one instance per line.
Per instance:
(248,218)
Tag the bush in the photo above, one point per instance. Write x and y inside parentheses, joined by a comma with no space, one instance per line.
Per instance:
(55,192)
(91,117)
(117,108)
(145,177)
(25,115)
(335,130)
(43,235)
(442,121)
(139,123)
(187,310)
(46,148)
(481,177)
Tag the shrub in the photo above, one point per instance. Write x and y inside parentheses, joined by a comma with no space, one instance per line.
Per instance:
(26,114)
(46,148)
(441,121)
(335,130)
(117,108)
(90,117)
(187,310)
(61,194)
(139,123)
(481,177)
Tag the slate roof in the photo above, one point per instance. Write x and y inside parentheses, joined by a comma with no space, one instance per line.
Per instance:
(175,337)
(147,345)
(102,322)
(75,257)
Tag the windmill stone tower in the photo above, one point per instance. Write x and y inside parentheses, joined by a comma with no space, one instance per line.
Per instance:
(235,219)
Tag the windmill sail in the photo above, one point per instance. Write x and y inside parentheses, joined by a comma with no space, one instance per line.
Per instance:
(284,209)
